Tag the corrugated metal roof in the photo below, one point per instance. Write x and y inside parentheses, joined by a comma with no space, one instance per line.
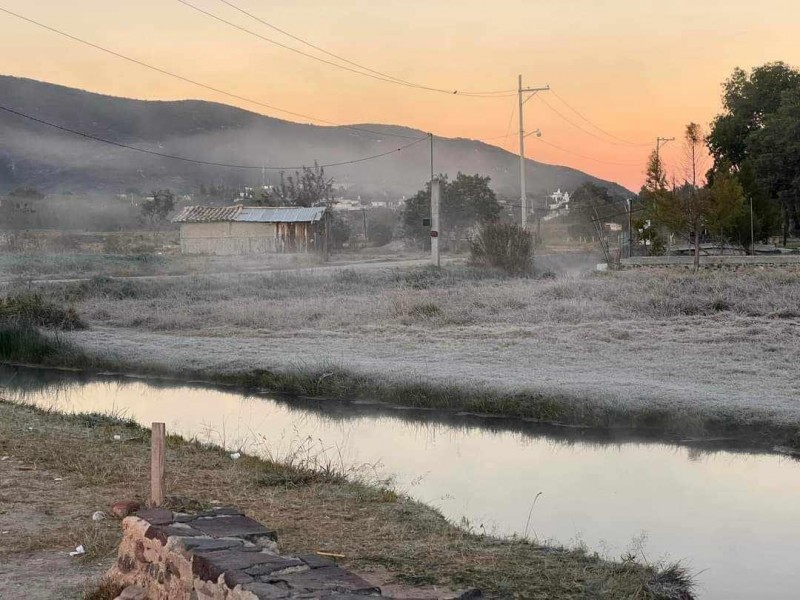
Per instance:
(251,214)
(258,214)
(207,214)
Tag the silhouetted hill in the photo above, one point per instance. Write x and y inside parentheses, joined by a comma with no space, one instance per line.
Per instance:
(55,161)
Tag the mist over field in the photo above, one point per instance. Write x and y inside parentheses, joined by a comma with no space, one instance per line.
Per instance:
(54,161)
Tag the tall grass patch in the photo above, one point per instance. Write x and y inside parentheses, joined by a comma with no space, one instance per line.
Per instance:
(33,309)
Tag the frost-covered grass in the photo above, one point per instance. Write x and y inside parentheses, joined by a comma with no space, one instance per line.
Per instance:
(688,353)
(398,299)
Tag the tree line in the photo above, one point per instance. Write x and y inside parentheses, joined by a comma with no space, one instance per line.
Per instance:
(752,190)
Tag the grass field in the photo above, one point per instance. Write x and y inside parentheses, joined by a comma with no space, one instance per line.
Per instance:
(689,354)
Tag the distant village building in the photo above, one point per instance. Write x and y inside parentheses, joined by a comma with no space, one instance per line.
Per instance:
(232,230)
(557,205)
(558,200)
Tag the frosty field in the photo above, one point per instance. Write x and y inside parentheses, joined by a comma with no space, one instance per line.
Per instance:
(719,345)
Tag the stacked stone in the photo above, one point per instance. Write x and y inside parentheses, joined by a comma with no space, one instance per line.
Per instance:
(221,554)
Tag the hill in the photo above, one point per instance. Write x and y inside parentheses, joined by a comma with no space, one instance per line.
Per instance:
(55,161)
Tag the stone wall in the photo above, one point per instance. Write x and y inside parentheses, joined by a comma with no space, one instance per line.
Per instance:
(223,555)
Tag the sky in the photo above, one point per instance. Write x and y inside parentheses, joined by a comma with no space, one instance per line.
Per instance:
(622,72)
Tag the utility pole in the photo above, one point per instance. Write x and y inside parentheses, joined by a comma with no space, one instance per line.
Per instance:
(752,230)
(630,227)
(431,137)
(436,192)
(523,196)
(660,141)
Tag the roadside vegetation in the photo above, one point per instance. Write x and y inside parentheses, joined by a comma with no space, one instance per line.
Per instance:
(313,506)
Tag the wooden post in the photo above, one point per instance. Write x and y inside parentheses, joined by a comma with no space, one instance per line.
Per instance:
(157,440)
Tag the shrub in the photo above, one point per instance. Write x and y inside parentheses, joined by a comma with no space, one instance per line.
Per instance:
(25,344)
(504,246)
(31,309)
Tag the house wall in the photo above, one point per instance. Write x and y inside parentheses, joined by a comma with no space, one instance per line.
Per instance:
(232,238)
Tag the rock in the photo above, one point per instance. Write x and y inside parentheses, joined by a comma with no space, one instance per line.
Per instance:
(315,561)
(324,580)
(156,516)
(133,592)
(125,508)
(230,526)
(98,515)
(474,594)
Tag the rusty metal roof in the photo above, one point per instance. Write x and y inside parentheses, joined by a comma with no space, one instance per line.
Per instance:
(207,214)
(251,214)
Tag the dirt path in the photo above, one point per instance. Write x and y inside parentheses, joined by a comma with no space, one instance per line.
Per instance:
(41,515)
(330,268)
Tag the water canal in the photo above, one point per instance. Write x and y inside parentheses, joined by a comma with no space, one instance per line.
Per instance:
(731,515)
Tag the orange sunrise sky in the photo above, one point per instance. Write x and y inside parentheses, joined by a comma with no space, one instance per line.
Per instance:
(637,70)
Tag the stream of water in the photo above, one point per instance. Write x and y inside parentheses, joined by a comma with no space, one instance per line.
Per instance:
(731,516)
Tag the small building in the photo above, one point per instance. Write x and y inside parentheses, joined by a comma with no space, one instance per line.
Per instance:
(232,230)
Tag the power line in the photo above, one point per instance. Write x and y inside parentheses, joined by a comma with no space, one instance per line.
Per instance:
(196,161)
(198,83)
(381,74)
(575,125)
(372,75)
(609,162)
(600,129)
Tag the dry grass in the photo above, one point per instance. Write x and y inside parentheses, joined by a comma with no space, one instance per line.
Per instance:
(687,353)
(375,529)
(390,300)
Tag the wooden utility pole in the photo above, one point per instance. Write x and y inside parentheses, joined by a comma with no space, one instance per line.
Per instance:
(157,463)
(436,193)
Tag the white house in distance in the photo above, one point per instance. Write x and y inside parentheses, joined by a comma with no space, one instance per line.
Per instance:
(231,230)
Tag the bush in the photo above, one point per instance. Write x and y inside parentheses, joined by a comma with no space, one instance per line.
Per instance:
(30,309)
(503,246)
(25,344)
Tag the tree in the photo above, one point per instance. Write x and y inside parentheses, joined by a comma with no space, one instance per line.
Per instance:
(591,202)
(467,201)
(775,155)
(690,209)
(308,187)
(654,193)
(751,102)
(157,209)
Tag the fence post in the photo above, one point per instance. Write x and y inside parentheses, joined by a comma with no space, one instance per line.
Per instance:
(157,441)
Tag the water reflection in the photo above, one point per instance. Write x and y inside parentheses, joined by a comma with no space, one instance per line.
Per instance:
(730,513)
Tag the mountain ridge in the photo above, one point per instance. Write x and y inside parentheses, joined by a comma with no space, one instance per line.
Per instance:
(55,161)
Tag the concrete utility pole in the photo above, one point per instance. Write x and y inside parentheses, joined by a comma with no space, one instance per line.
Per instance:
(523,196)
(436,193)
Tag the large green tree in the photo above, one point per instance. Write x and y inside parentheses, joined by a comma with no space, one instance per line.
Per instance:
(762,161)
(468,200)
(775,154)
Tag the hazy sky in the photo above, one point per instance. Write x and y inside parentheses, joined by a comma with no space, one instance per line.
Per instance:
(637,69)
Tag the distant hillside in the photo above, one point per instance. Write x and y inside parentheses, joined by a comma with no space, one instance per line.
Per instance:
(54,161)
